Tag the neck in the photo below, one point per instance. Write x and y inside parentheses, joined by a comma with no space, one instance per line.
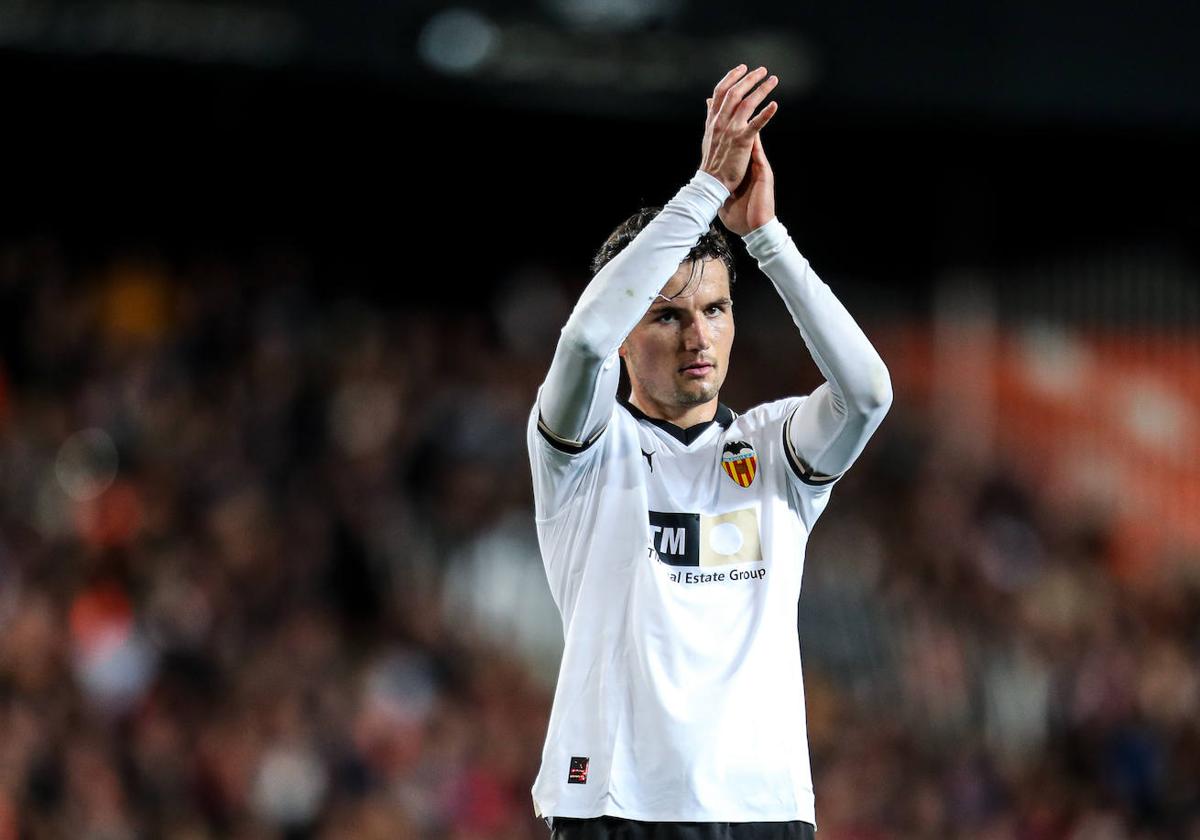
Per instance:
(683,416)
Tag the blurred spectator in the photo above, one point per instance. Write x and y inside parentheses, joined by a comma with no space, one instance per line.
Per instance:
(267,569)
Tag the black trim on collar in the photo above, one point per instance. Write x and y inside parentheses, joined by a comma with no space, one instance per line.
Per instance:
(724,416)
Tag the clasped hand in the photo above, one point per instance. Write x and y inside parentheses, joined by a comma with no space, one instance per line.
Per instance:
(732,150)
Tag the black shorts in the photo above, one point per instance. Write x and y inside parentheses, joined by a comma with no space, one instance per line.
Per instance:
(615,828)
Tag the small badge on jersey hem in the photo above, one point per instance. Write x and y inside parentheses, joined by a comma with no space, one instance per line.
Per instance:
(740,462)
(577,775)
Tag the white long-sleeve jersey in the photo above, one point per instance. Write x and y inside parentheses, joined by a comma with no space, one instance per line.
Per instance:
(675,556)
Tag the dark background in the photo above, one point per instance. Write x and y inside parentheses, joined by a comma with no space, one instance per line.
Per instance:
(911,138)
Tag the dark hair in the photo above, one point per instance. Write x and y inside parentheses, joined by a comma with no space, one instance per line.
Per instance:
(711,245)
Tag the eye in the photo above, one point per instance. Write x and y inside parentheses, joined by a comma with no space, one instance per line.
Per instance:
(715,310)
(665,317)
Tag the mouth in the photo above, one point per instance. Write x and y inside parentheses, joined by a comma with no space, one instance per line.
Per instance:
(697,370)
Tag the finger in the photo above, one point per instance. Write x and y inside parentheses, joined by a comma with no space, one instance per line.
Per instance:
(736,93)
(755,97)
(727,82)
(758,155)
(763,117)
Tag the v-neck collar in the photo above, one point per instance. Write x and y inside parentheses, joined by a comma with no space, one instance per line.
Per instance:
(722,418)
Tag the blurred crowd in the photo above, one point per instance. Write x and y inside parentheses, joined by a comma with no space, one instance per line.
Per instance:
(268,570)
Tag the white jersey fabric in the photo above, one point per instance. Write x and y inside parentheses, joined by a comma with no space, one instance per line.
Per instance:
(675,556)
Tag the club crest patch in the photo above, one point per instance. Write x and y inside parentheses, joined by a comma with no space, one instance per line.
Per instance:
(740,462)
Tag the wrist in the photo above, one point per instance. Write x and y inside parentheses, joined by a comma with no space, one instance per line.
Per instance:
(711,184)
(766,239)
(754,224)
(715,174)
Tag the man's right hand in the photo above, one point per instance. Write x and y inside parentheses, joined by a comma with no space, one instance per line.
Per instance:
(732,125)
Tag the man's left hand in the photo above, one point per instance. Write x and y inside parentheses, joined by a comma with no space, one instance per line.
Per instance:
(752,203)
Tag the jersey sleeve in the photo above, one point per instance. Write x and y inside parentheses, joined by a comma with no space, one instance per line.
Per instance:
(826,431)
(767,426)
(561,473)
(813,423)
(576,400)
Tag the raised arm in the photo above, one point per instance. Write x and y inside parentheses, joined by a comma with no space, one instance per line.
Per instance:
(576,400)
(830,428)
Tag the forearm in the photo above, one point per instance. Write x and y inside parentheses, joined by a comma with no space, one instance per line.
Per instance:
(576,398)
(839,417)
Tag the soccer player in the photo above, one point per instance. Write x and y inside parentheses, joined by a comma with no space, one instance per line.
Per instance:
(673,529)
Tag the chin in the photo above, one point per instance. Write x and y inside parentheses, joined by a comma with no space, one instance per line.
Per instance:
(696,396)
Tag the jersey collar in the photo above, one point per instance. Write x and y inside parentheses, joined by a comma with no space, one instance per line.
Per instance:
(723,418)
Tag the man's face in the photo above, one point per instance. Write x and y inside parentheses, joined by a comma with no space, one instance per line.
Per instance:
(678,353)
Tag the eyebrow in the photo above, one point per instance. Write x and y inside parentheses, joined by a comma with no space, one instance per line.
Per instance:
(659,308)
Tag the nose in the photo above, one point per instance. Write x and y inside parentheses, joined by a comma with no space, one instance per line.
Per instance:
(697,334)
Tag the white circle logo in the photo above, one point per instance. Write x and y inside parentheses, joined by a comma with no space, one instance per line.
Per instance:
(725,538)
